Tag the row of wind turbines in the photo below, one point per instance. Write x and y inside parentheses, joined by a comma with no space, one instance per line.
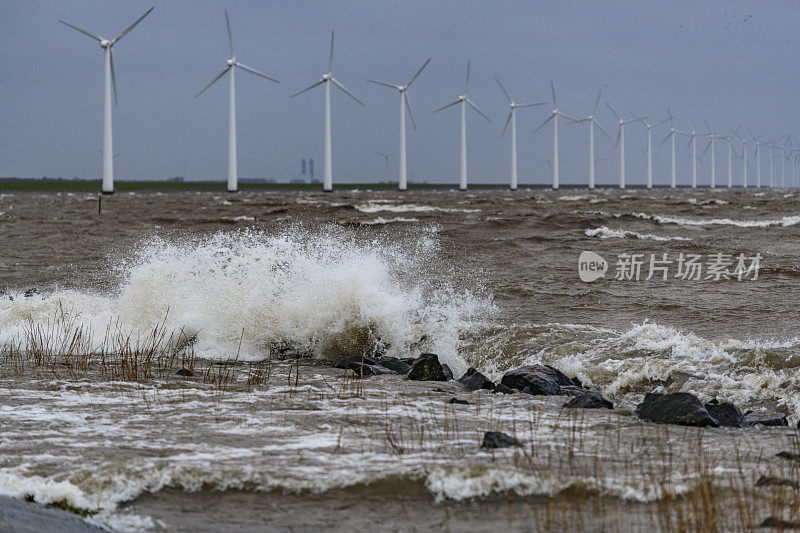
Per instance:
(463,102)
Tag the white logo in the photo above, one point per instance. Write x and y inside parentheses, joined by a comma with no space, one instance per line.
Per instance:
(591,266)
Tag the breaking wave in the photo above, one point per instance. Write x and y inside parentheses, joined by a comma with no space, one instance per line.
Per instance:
(604,232)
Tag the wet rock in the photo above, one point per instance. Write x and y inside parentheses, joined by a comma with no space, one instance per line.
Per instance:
(393,363)
(540,379)
(769,481)
(572,390)
(447,372)
(427,367)
(503,389)
(727,414)
(779,523)
(363,366)
(354,360)
(765,418)
(33,291)
(788,455)
(589,400)
(474,380)
(371,370)
(184,372)
(458,401)
(679,408)
(498,439)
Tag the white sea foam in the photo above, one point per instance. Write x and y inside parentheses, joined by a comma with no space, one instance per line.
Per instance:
(605,232)
(784,221)
(376,207)
(379,221)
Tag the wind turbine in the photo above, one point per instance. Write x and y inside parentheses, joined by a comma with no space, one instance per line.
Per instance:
(110,78)
(711,144)
(693,143)
(592,120)
(554,117)
(772,162)
(512,118)
(731,153)
(464,101)
(650,146)
(621,144)
(230,68)
(782,149)
(671,136)
(327,79)
(404,104)
(758,158)
(744,159)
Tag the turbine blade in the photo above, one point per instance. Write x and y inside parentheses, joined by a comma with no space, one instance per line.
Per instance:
(506,124)
(129,28)
(230,34)
(706,149)
(218,76)
(665,139)
(481,113)
(408,106)
(619,136)
(553,90)
(451,104)
(113,76)
(254,71)
(661,122)
(602,129)
(504,92)
(466,85)
(573,119)
(596,103)
(415,76)
(384,84)
(531,105)
(330,57)
(612,111)
(708,126)
(87,33)
(346,91)
(543,124)
(320,82)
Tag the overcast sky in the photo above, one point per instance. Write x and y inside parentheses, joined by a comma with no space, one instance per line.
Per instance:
(725,61)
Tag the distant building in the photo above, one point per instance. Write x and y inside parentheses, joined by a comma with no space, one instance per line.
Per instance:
(303,167)
(311,169)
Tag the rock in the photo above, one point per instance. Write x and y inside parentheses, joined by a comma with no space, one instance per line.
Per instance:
(458,401)
(765,418)
(354,360)
(768,481)
(33,291)
(427,367)
(447,372)
(393,363)
(184,372)
(679,408)
(727,414)
(498,439)
(540,379)
(363,366)
(474,380)
(503,389)
(590,400)
(778,523)
(371,370)
(572,390)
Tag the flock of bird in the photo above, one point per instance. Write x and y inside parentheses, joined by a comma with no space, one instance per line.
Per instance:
(786,147)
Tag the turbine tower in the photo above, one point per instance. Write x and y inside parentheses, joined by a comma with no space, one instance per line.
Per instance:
(404,104)
(621,144)
(327,79)
(671,136)
(650,146)
(554,117)
(592,120)
(110,79)
(464,101)
(231,65)
(731,153)
(512,118)
(744,158)
(711,144)
(693,143)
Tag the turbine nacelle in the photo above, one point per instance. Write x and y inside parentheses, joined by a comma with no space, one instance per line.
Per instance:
(105,43)
(327,76)
(231,62)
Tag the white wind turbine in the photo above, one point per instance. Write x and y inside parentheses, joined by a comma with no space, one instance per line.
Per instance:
(712,138)
(592,120)
(231,65)
(731,153)
(464,101)
(650,145)
(744,159)
(758,158)
(554,117)
(693,143)
(109,81)
(671,136)
(512,118)
(404,104)
(327,79)
(783,154)
(621,144)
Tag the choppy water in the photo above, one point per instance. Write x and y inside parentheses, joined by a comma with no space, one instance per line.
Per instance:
(483,278)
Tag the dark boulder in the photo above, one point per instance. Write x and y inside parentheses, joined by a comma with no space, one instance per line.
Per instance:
(474,380)
(362,366)
(765,418)
(571,390)
(427,367)
(498,439)
(727,414)
(458,401)
(393,363)
(788,455)
(447,372)
(354,360)
(768,481)
(185,373)
(779,523)
(679,408)
(540,379)
(503,389)
(589,400)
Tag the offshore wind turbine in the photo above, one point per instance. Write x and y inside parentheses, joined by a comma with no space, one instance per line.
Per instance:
(731,153)
(621,144)
(554,117)
(671,136)
(404,105)
(711,144)
(650,146)
(327,79)
(693,143)
(231,65)
(744,158)
(592,120)
(512,118)
(464,101)
(110,79)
